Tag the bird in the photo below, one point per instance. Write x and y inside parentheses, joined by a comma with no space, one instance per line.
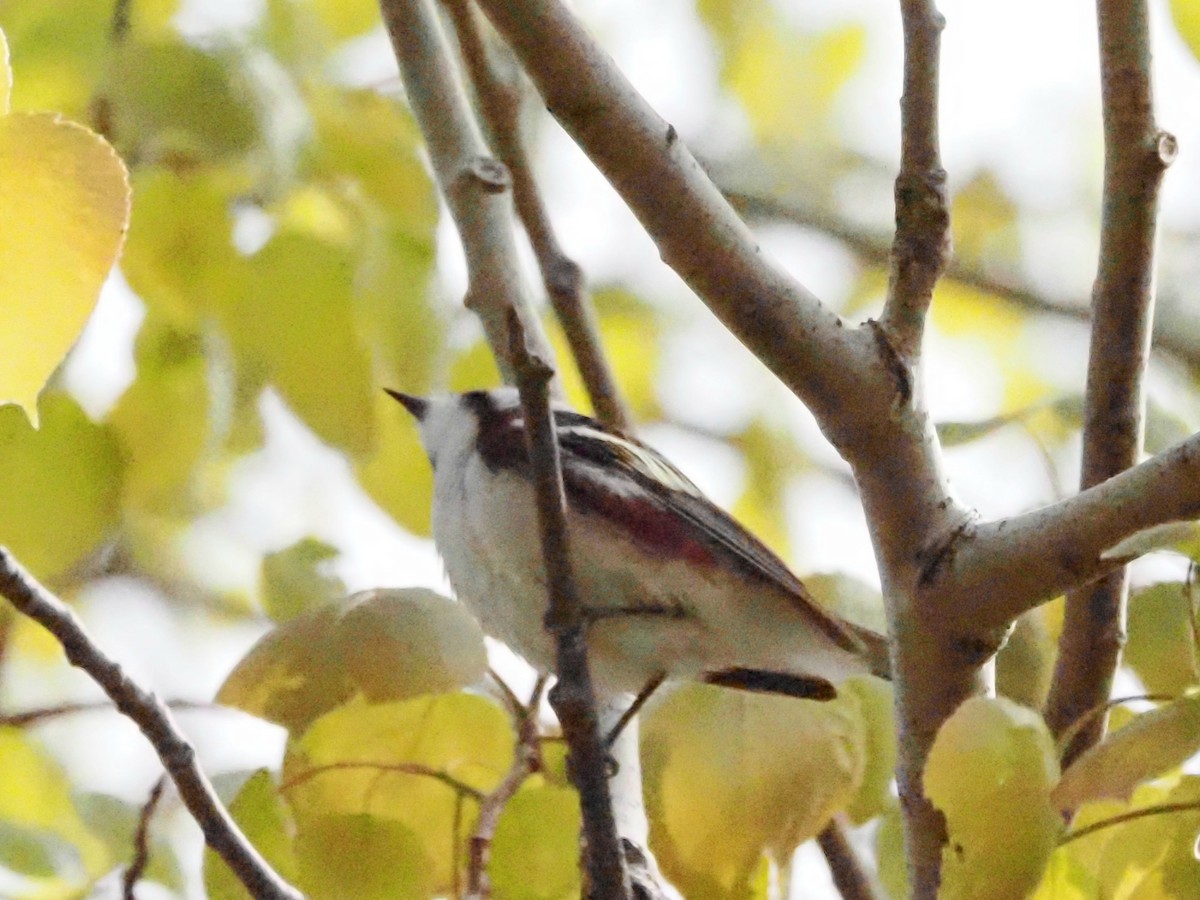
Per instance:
(671,585)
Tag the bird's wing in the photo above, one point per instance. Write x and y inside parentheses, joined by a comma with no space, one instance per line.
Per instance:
(624,480)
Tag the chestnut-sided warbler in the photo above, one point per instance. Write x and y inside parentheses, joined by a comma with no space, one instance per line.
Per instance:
(671,585)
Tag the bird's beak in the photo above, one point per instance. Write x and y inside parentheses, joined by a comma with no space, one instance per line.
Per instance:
(415,405)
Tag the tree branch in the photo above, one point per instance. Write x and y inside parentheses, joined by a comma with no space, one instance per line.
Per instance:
(500,101)
(141,841)
(476,186)
(698,234)
(573,698)
(849,877)
(922,242)
(155,721)
(1136,155)
(1012,565)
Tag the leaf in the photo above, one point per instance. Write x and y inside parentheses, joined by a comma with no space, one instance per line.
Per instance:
(35,799)
(361,856)
(291,316)
(889,851)
(989,771)
(731,776)
(1186,17)
(172,101)
(164,420)
(34,853)
(1181,537)
(61,485)
(293,674)
(396,474)
(294,580)
(1161,647)
(876,703)
(65,196)
(260,813)
(535,851)
(1025,664)
(1153,743)
(395,761)
(984,221)
(398,644)
(180,252)
(114,822)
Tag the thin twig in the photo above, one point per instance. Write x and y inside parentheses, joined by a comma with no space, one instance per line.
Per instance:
(155,721)
(849,877)
(141,840)
(696,231)
(922,242)
(500,99)
(1136,154)
(527,759)
(42,714)
(1006,283)
(1157,810)
(477,187)
(1088,717)
(573,698)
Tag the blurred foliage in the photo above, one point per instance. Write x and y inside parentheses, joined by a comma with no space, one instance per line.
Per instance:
(283,243)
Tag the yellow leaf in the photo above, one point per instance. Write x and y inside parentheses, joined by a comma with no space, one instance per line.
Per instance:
(1153,743)
(535,852)
(397,762)
(402,643)
(990,771)
(361,856)
(292,674)
(65,196)
(731,776)
(260,813)
(396,475)
(1186,14)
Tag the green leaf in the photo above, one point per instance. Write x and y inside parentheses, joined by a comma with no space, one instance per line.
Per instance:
(164,422)
(535,852)
(291,316)
(1153,743)
(294,580)
(35,799)
(1025,664)
(361,856)
(397,475)
(180,251)
(876,701)
(36,854)
(61,485)
(889,851)
(1180,537)
(1162,648)
(264,820)
(172,101)
(989,772)
(731,776)
(398,644)
(114,822)
(293,674)
(400,762)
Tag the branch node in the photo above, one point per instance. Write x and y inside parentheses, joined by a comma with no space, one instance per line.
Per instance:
(491,174)
(1166,147)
